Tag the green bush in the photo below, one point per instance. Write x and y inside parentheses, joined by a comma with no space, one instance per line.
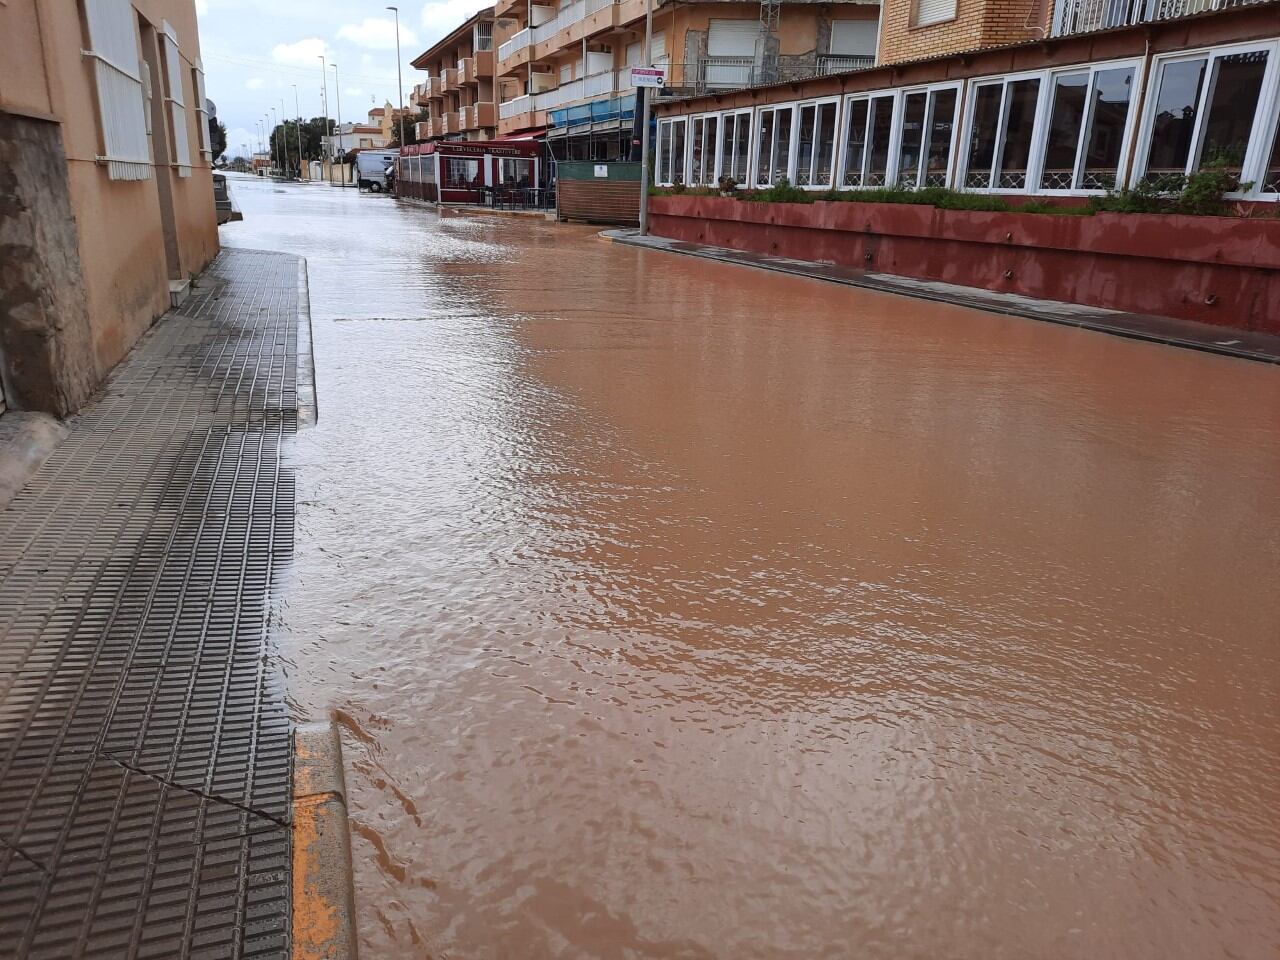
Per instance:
(781,192)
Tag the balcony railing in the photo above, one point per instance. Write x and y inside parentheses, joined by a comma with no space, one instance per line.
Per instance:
(515,107)
(1085,16)
(839,64)
(732,73)
(515,44)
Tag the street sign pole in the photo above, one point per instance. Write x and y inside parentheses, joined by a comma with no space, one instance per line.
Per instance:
(644,130)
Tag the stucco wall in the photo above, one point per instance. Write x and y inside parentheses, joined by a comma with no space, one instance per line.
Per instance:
(119,224)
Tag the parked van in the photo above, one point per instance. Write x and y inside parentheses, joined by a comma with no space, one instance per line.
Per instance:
(371,169)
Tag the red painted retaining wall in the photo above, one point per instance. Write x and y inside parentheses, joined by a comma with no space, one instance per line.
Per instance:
(1220,270)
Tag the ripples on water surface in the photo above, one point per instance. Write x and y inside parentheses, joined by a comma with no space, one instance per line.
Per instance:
(678,610)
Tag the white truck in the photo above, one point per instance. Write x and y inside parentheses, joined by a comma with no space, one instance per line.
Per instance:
(371,169)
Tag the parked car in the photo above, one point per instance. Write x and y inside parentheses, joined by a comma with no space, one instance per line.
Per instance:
(371,169)
(222,202)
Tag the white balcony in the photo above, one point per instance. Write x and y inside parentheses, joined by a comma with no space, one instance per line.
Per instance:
(1085,16)
(515,107)
(515,44)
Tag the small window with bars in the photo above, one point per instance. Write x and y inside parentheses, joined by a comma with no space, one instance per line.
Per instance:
(483,38)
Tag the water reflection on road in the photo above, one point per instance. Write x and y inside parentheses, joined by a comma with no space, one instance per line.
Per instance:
(680,610)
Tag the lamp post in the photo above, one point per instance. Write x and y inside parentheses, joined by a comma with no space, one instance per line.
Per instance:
(644,131)
(284,136)
(298,124)
(337,93)
(399,81)
(324,105)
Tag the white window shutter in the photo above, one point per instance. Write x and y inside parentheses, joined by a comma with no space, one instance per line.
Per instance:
(854,38)
(732,38)
(202,111)
(658,49)
(113,45)
(934,11)
(173,96)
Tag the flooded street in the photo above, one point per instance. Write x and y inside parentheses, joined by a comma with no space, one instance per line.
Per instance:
(674,609)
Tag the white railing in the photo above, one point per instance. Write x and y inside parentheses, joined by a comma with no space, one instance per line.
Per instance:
(622,79)
(568,17)
(514,45)
(561,94)
(513,108)
(1085,16)
(836,63)
(597,84)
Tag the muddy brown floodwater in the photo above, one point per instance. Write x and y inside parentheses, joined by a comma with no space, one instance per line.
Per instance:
(679,610)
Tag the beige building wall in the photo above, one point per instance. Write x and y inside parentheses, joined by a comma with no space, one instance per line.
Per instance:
(133,236)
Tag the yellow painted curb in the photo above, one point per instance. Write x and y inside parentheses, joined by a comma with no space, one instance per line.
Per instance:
(324,926)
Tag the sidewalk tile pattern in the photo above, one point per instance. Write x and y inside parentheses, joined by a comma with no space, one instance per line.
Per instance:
(144,739)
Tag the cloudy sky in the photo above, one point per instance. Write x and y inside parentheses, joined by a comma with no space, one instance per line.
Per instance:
(255,51)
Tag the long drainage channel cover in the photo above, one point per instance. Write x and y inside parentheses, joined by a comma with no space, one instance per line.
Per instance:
(144,740)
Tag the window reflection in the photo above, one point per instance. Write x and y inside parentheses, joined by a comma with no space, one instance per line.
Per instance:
(1175,120)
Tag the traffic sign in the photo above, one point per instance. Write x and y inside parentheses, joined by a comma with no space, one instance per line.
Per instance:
(648,76)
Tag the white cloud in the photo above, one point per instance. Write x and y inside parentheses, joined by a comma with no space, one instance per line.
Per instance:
(202,8)
(304,53)
(442,16)
(254,83)
(375,33)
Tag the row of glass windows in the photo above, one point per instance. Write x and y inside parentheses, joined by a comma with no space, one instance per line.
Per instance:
(1076,130)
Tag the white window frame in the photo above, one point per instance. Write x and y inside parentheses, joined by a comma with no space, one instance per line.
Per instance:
(997,159)
(173,99)
(753,178)
(842,130)
(123,120)
(835,144)
(1255,156)
(1270,135)
(930,91)
(699,121)
(662,173)
(1130,125)
(724,165)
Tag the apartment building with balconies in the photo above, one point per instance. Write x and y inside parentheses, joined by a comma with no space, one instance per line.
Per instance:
(565,70)
(456,100)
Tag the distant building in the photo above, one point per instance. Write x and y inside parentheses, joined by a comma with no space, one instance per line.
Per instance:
(106,191)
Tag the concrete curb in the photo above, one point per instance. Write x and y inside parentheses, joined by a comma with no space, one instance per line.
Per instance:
(308,403)
(1186,334)
(324,923)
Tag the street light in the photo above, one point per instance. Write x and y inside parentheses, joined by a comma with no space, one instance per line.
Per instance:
(297,122)
(337,93)
(275,139)
(326,138)
(399,81)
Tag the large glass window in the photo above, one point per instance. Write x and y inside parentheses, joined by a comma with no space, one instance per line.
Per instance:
(924,137)
(1088,116)
(773,150)
(1020,98)
(1232,105)
(462,174)
(942,124)
(1001,133)
(868,127)
(855,142)
(735,144)
(669,158)
(1110,99)
(911,141)
(1069,99)
(516,171)
(815,155)
(1174,122)
(983,130)
(1204,114)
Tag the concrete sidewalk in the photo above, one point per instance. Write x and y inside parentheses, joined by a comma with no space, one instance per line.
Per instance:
(144,740)
(1244,344)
